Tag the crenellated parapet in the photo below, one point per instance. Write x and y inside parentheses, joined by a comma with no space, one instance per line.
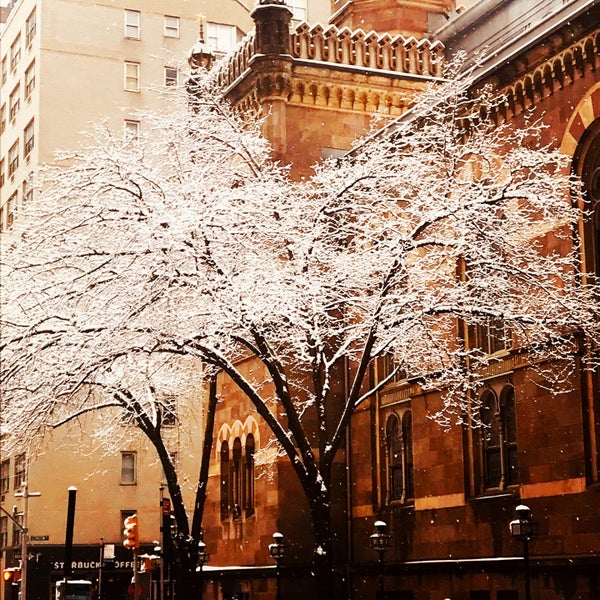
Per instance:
(356,54)
(367,50)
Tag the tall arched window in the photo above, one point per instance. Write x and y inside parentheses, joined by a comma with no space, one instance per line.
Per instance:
(249,475)
(499,439)
(236,479)
(399,457)
(408,454)
(587,162)
(225,490)
(394,457)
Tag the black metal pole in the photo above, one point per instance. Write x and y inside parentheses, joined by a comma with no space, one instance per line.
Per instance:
(381,581)
(277,580)
(69,534)
(527,572)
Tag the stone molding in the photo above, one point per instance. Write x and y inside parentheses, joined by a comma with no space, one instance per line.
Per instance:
(554,74)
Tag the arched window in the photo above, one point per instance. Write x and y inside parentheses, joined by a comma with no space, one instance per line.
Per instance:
(399,455)
(225,477)
(249,475)
(499,439)
(408,453)
(587,161)
(236,479)
(394,457)
(507,410)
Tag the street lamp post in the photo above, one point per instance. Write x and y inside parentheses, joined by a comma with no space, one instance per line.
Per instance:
(277,551)
(380,541)
(203,558)
(525,530)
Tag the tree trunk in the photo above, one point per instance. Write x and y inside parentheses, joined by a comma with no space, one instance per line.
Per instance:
(320,508)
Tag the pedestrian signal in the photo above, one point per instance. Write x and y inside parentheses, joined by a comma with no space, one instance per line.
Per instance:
(11,575)
(131,540)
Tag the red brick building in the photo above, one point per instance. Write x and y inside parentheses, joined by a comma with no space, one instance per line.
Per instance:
(447,496)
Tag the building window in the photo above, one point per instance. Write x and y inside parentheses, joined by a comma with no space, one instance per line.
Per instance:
(249,475)
(3,532)
(10,208)
(132,76)
(222,39)
(169,409)
(4,477)
(499,438)
(15,53)
(586,162)
(399,457)
(1,172)
(224,480)
(20,470)
(132,24)
(128,468)
(2,118)
(17,530)
(132,129)
(237,478)
(13,158)
(299,11)
(29,79)
(170,76)
(27,192)
(489,337)
(28,138)
(30,27)
(171,26)
(4,70)
(14,102)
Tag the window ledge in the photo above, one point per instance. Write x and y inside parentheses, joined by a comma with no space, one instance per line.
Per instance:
(494,495)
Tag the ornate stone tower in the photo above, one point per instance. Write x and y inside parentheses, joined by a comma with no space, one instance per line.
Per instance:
(408,17)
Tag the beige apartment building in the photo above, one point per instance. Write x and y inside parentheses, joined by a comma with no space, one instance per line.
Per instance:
(66,64)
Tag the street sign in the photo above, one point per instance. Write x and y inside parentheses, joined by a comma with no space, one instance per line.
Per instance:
(39,538)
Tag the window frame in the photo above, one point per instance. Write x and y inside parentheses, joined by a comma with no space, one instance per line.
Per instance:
(125,478)
(28,138)
(501,446)
(399,466)
(249,472)
(13,158)
(129,77)
(169,28)
(132,31)
(29,79)
(171,81)
(14,102)
(30,27)
(20,469)
(5,477)
(129,125)
(15,52)
(213,37)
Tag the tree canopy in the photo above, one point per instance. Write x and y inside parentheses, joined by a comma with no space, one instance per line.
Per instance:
(190,241)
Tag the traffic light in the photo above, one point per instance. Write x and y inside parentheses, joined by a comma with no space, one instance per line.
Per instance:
(11,575)
(131,540)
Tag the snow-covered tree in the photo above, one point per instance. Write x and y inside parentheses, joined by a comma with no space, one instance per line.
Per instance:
(190,243)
